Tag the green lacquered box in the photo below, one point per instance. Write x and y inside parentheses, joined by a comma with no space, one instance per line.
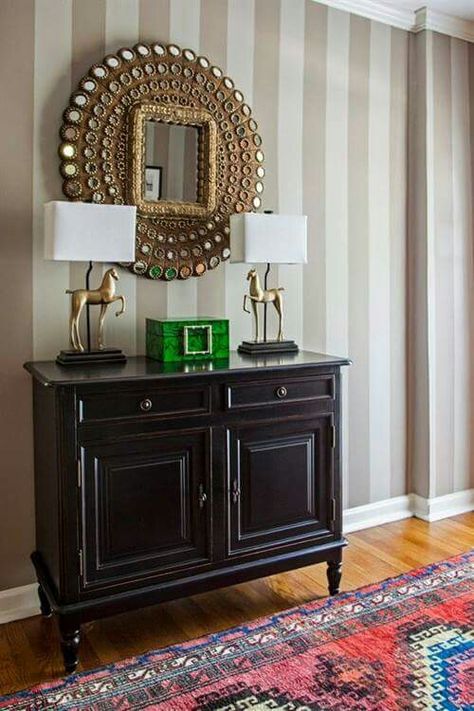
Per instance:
(200,338)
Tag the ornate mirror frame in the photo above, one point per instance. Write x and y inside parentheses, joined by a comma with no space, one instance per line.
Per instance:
(207,159)
(103,153)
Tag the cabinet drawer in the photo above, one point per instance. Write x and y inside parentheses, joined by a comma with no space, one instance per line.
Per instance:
(143,402)
(279,390)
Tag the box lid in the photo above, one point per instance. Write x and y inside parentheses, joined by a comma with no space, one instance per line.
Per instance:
(188,319)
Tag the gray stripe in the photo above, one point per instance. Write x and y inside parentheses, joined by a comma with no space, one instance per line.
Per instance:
(443,214)
(154,20)
(358,209)
(265,103)
(418,389)
(88,46)
(462,264)
(213,44)
(152,297)
(471,315)
(185,21)
(379,260)
(121,29)
(16,320)
(265,89)
(398,281)
(213,39)
(314,175)
(88,36)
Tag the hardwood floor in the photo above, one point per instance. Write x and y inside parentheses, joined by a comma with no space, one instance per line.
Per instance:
(29,649)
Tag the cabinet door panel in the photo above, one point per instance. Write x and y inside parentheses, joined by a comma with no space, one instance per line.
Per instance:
(143,507)
(279,481)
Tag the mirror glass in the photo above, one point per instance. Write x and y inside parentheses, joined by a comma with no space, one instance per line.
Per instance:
(171,154)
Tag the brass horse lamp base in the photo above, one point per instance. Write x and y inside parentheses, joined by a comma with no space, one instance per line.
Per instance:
(91,356)
(257,295)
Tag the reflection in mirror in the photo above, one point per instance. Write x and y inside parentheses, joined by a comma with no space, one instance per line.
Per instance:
(171,154)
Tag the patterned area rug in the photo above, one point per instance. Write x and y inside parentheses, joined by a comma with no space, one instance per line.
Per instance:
(406,643)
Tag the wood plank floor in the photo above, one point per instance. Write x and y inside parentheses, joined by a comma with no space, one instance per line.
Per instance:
(29,649)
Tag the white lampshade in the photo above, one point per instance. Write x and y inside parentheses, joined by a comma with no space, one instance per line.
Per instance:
(84,232)
(260,238)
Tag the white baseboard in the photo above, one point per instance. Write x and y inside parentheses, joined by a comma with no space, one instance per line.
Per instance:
(375,514)
(18,603)
(400,507)
(443,506)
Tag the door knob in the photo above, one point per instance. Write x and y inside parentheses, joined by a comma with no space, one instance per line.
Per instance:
(235,492)
(281,392)
(146,405)
(202,498)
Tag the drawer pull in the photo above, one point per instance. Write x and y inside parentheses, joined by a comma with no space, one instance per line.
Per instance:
(281,392)
(146,405)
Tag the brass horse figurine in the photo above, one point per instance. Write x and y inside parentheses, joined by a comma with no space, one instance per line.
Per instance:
(104,296)
(257,295)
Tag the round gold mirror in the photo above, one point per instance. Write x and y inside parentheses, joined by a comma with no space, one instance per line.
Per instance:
(162,128)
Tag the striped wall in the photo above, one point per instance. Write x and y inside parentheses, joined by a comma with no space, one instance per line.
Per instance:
(330,93)
(16,291)
(440,246)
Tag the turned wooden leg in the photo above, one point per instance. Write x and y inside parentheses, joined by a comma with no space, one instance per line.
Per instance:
(70,638)
(45,607)
(334,573)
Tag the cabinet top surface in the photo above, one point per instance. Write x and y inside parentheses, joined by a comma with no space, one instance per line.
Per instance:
(142,368)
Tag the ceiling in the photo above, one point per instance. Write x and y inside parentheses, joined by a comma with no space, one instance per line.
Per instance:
(458,8)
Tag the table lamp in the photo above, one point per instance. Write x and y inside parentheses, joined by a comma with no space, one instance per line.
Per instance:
(266,238)
(85,232)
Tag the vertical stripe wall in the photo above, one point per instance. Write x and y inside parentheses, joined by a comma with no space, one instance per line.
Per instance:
(440,265)
(398,190)
(336,228)
(329,91)
(16,290)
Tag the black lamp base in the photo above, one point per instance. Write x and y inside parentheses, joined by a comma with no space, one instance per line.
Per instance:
(267,347)
(107,356)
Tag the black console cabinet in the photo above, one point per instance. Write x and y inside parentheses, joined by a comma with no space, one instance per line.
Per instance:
(154,482)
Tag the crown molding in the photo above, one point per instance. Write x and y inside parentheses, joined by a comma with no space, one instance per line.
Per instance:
(374,10)
(426,19)
(418,21)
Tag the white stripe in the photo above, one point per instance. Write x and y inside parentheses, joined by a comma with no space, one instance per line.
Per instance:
(462,262)
(121,28)
(121,24)
(240,55)
(52,85)
(184,29)
(430,267)
(241,44)
(379,261)
(336,208)
(290,151)
(185,19)
(152,296)
(337,100)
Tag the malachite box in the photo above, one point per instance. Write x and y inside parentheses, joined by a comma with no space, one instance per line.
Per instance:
(200,338)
